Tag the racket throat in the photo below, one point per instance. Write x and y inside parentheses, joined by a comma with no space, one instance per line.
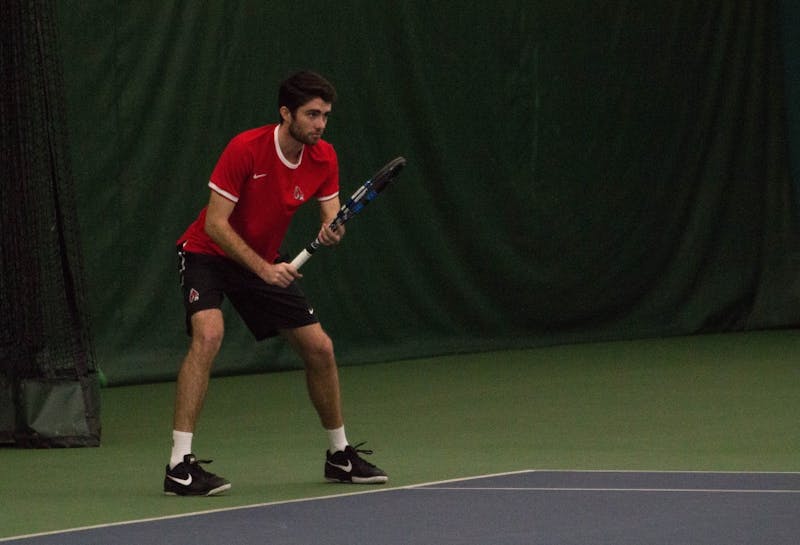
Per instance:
(313,246)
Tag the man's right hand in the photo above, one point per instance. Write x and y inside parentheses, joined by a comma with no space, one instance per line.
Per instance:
(279,274)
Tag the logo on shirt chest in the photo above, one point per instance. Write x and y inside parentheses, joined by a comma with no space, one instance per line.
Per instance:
(298,194)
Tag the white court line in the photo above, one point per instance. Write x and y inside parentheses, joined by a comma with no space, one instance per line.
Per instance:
(599,489)
(250,506)
(195,513)
(609,471)
(373,491)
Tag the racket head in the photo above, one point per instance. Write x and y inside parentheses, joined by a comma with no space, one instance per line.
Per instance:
(386,174)
(369,191)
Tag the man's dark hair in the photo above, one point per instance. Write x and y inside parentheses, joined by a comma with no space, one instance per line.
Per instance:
(303,86)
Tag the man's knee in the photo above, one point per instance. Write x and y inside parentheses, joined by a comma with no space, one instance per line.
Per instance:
(207,332)
(322,347)
(317,352)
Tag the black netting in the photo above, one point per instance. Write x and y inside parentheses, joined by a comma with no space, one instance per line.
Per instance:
(44,331)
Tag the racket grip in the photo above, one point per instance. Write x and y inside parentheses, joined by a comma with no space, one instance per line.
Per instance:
(301,258)
(305,254)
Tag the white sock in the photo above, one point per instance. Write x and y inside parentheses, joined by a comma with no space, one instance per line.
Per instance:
(337,439)
(181,445)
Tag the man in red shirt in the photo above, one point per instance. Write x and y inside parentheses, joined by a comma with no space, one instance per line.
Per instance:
(232,250)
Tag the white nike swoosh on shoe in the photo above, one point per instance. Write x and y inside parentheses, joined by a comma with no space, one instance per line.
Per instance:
(348,468)
(185,482)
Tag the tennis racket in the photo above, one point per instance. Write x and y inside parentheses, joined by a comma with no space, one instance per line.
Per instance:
(357,201)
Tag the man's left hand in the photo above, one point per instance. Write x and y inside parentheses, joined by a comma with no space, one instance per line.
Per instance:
(329,237)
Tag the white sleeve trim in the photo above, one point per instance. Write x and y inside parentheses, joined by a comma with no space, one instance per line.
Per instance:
(226,194)
(328,197)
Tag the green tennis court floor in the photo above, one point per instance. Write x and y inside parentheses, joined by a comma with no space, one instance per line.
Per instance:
(704,403)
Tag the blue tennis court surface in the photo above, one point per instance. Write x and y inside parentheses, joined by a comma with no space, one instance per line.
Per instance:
(525,508)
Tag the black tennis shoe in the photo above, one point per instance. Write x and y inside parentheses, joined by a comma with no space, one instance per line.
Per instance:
(189,479)
(348,467)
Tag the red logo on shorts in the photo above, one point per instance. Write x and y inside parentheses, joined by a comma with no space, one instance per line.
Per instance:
(194,296)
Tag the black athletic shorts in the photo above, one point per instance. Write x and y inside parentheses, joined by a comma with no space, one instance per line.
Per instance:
(206,280)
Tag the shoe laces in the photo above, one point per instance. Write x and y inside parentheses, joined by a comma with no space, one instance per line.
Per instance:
(194,465)
(358,451)
(362,451)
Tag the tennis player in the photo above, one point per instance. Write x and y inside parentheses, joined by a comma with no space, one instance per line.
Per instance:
(232,250)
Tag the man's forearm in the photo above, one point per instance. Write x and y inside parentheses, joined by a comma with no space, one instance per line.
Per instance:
(235,247)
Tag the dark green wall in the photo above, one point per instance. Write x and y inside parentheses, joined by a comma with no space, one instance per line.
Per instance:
(577,170)
(789,14)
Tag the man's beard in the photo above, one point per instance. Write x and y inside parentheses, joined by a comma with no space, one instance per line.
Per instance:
(304,138)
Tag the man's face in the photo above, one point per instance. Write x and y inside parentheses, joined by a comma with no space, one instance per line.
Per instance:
(309,121)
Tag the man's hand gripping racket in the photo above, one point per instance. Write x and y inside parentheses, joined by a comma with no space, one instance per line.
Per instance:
(357,201)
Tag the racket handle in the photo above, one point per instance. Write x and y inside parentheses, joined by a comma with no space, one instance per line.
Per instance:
(305,254)
(301,258)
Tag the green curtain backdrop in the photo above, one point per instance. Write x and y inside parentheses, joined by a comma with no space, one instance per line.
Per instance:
(577,170)
(789,15)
